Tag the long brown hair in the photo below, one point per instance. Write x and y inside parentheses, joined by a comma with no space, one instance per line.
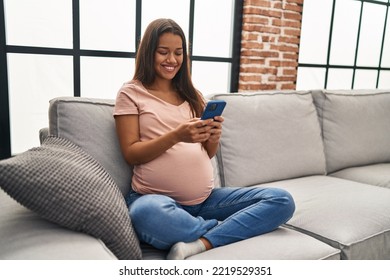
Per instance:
(144,65)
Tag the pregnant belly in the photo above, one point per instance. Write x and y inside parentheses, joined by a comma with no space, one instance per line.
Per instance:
(183,172)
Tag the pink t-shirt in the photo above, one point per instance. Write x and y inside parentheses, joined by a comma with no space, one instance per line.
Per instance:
(184,172)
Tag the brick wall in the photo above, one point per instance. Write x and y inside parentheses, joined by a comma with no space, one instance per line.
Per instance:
(270,43)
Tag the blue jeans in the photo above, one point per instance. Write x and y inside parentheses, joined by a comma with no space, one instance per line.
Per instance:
(244,212)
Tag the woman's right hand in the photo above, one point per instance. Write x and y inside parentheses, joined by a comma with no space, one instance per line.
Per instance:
(193,131)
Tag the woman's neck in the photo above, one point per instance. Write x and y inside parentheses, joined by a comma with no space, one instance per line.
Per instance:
(162,85)
(165,90)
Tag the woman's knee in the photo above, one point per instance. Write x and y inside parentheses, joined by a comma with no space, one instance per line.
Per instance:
(282,199)
(286,199)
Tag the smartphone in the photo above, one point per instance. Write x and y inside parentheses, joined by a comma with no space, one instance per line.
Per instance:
(213,108)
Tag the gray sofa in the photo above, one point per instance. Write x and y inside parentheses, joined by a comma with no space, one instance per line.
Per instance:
(329,149)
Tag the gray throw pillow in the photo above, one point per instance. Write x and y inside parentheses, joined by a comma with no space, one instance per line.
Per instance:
(65,185)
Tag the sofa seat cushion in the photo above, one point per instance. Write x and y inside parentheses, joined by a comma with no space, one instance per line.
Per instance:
(347,215)
(375,174)
(355,126)
(281,244)
(24,235)
(65,185)
(268,137)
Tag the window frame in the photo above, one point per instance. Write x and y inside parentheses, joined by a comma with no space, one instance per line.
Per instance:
(327,66)
(77,53)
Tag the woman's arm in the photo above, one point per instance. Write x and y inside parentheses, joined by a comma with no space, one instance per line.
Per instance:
(136,151)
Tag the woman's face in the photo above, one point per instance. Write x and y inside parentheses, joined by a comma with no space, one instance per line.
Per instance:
(169,56)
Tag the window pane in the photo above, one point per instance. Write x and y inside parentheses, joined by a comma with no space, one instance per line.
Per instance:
(33,81)
(344,36)
(107,25)
(211,77)
(102,77)
(310,78)
(384,80)
(386,47)
(339,79)
(315,31)
(371,34)
(213,37)
(178,10)
(365,79)
(41,23)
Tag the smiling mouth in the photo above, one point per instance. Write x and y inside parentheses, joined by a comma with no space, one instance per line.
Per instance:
(169,68)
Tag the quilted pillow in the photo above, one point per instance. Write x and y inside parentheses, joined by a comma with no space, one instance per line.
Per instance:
(65,185)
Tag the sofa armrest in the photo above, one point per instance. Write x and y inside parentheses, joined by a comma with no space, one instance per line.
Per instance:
(43,133)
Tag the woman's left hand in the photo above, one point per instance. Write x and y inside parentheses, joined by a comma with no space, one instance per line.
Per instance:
(216,129)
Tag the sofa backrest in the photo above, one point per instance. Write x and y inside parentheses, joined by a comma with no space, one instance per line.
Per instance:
(269,136)
(355,127)
(89,123)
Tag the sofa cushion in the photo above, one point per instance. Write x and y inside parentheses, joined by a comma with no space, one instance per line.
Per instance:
(281,244)
(89,123)
(268,137)
(355,126)
(375,174)
(24,235)
(347,215)
(65,185)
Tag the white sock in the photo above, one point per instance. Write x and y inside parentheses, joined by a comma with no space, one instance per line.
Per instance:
(182,250)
